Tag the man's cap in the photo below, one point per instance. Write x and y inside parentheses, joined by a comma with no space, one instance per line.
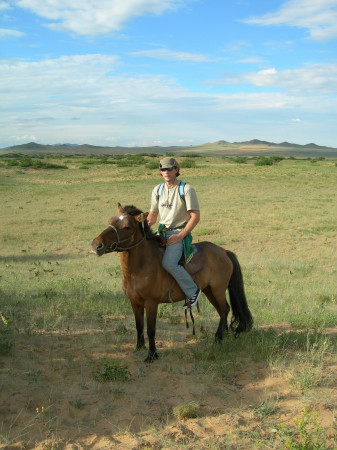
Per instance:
(168,163)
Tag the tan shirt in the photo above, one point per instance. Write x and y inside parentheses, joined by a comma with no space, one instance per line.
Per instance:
(173,211)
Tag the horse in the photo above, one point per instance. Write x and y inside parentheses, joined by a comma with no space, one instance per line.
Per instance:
(147,284)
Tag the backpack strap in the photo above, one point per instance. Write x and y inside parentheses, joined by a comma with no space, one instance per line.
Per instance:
(181,190)
(160,190)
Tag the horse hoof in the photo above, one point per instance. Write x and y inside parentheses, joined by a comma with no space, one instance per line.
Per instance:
(218,339)
(151,357)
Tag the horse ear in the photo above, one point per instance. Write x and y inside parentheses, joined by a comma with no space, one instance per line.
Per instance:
(120,209)
(139,218)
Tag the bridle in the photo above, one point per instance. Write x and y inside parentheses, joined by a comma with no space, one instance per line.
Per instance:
(115,246)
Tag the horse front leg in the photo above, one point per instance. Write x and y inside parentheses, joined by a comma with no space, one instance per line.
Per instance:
(138,312)
(151,318)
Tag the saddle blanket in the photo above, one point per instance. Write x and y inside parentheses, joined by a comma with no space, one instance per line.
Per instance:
(196,264)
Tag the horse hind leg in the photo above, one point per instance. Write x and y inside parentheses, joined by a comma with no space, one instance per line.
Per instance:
(220,303)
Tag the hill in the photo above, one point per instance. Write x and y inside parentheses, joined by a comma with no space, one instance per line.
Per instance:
(253,147)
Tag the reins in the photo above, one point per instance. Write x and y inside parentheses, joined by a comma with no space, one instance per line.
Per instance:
(120,241)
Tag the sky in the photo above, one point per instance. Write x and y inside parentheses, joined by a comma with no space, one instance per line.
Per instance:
(168,72)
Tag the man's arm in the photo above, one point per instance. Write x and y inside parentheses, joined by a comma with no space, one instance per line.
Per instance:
(152,218)
(193,221)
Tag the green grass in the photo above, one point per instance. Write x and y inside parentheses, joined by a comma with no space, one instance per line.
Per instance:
(279,220)
(111,370)
(186,411)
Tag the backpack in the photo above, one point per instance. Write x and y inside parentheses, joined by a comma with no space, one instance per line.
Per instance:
(181,190)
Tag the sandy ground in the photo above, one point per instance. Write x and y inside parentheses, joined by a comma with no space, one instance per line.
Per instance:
(49,398)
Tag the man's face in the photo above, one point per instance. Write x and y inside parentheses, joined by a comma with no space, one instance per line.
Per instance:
(169,174)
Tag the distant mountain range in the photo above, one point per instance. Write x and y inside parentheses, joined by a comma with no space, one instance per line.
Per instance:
(254,147)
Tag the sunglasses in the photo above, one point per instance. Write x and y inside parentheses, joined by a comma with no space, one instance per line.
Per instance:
(167,169)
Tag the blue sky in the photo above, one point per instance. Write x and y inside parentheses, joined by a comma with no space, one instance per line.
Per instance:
(168,72)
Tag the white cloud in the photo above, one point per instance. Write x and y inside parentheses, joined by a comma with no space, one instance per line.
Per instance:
(4,5)
(89,17)
(5,33)
(24,138)
(312,78)
(318,16)
(170,55)
(251,60)
(82,99)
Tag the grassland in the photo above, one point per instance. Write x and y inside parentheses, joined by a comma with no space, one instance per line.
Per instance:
(69,376)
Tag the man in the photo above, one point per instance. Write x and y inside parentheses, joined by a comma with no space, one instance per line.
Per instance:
(179,214)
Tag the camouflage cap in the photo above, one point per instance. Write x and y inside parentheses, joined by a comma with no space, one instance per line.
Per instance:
(168,163)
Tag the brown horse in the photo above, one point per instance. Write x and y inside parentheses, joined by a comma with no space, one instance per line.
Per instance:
(147,284)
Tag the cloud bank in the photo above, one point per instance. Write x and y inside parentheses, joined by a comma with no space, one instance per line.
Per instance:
(311,79)
(90,18)
(319,17)
(83,99)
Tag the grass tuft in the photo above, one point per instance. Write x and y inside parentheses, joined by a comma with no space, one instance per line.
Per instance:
(111,370)
(186,411)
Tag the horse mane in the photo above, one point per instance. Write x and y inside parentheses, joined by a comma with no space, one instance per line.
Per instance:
(134,211)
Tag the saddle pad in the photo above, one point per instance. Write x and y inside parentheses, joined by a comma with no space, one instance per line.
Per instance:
(196,264)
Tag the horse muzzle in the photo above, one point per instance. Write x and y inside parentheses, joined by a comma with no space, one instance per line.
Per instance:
(98,248)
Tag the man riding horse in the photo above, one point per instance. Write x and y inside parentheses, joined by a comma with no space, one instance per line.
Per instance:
(177,205)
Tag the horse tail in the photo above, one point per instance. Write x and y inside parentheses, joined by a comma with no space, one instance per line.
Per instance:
(242,319)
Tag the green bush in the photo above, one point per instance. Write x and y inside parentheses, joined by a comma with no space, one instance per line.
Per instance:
(240,160)
(263,161)
(12,163)
(188,164)
(152,165)
(111,370)
(276,159)
(131,161)
(186,411)
(33,163)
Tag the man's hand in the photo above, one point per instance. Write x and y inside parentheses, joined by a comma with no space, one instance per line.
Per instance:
(152,218)
(174,239)
(194,219)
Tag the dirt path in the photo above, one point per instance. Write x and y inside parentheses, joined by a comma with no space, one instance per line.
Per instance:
(49,397)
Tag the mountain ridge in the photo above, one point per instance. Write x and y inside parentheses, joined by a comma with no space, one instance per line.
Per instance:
(252,147)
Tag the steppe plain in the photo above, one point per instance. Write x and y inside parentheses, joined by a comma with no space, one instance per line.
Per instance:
(69,375)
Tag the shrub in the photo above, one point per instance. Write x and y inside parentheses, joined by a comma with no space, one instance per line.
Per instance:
(6,335)
(130,161)
(240,160)
(188,164)
(276,159)
(307,435)
(111,370)
(186,411)
(152,165)
(263,161)
(34,163)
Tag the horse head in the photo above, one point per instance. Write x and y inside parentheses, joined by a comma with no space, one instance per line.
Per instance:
(122,231)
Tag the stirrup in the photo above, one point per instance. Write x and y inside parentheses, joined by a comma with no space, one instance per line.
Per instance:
(192,317)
